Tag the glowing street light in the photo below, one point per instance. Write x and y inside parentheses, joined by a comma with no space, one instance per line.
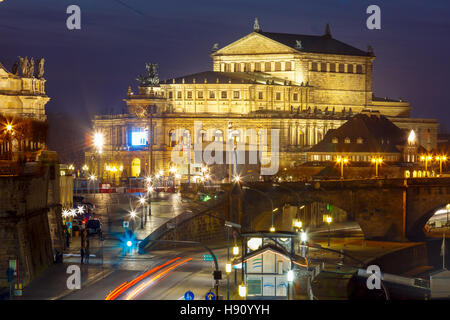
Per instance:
(65,213)
(80,209)
(242,290)
(303,237)
(235,250)
(272,229)
(9,127)
(129,243)
(328,220)
(441,159)
(237,179)
(85,167)
(98,140)
(426,159)
(133,214)
(161,172)
(228,267)
(297,224)
(150,189)
(377,161)
(290,275)
(342,160)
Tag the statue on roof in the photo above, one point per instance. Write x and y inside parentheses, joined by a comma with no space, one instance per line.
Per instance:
(15,69)
(30,70)
(23,62)
(298,44)
(215,47)
(151,77)
(256,26)
(326,110)
(40,69)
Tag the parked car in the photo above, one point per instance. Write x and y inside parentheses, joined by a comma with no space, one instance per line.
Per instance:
(94,226)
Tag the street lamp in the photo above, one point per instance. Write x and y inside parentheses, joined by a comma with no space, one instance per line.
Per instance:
(242,290)
(342,160)
(98,144)
(426,159)
(328,220)
(235,250)
(142,202)
(377,161)
(228,267)
(441,159)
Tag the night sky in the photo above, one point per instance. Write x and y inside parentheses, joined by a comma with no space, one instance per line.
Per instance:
(88,71)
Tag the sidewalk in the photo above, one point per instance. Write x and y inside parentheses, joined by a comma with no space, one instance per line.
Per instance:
(52,284)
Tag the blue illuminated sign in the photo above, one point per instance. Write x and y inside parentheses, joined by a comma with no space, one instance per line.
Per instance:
(139,138)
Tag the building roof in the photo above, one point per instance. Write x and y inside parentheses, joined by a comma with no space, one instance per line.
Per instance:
(316,44)
(378,134)
(228,77)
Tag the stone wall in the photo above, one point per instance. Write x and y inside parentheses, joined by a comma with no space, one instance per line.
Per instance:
(30,221)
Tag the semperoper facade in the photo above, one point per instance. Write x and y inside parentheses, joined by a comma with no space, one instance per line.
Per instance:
(303,85)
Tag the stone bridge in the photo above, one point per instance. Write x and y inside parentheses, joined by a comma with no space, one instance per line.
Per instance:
(386,209)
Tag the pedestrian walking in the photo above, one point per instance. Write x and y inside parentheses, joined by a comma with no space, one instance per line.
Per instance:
(82,254)
(86,259)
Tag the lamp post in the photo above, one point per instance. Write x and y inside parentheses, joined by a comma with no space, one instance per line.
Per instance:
(142,203)
(329,220)
(377,161)
(98,144)
(9,133)
(342,160)
(441,159)
(230,225)
(426,159)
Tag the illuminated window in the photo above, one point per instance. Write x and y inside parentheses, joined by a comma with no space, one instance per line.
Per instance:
(347,140)
(359,68)
(295,96)
(189,94)
(316,157)
(260,95)
(332,67)
(212,95)
(334,140)
(200,94)
(288,66)
(277,66)
(267,66)
(328,157)
(278,96)
(350,68)
(172,137)
(179,93)
(414,174)
(236,95)
(223,94)
(359,140)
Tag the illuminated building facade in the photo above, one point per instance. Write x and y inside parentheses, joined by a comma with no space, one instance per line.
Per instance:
(302,85)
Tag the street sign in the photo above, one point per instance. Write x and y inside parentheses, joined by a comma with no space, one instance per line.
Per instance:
(12,265)
(189,295)
(126,224)
(210,296)
(208,257)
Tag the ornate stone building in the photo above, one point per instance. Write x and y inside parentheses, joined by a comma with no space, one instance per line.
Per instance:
(303,85)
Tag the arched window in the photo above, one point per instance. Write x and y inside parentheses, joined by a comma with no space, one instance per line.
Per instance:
(347,140)
(218,135)
(201,136)
(186,137)
(172,143)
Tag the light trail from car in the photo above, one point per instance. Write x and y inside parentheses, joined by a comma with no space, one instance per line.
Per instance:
(143,286)
(125,286)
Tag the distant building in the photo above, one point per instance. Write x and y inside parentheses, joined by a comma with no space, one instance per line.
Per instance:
(301,85)
(365,136)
